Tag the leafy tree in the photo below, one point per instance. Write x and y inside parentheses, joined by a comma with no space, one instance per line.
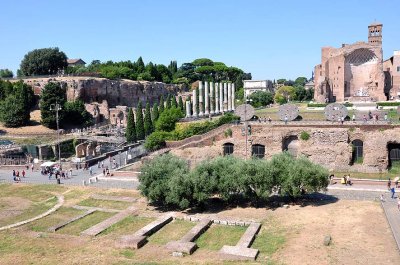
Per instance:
(161,104)
(156,140)
(167,120)
(6,73)
(281,81)
(43,62)
(155,113)
(51,94)
(300,93)
(130,132)
(180,104)
(203,62)
(140,132)
(174,103)
(284,94)
(148,124)
(300,81)
(309,94)
(140,65)
(76,113)
(13,112)
(239,94)
(261,98)
(164,180)
(173,67)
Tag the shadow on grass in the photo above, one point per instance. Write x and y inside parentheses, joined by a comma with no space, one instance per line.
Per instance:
(215,205)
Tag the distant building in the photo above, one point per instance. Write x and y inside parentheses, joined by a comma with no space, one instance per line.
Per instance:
(309,84)
(251,86)
(76,62)
(391,68)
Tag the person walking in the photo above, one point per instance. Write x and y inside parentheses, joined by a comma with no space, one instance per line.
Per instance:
(70,172)
(393,191)
(32,167)
(90,171)
(389,184)
(23,173)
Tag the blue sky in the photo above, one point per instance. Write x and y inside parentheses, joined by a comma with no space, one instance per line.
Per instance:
(271,39)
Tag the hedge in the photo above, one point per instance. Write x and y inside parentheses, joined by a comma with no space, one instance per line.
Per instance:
(323,105)
(387,104)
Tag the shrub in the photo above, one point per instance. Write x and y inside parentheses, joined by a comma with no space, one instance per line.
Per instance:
(304,136)
(156,140)
(168,118)
(388,104)
(228,133)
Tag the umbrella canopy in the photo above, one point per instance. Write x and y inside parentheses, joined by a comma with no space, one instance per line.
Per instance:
(48,164)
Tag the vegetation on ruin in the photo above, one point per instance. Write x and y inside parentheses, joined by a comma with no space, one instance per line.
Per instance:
(167,179)
(166,128)
(71,113)
(16,101)
(43,62)
(304,136)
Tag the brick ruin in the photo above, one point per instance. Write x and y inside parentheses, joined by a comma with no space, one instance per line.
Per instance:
(107,100)
(356,72)
(346,148)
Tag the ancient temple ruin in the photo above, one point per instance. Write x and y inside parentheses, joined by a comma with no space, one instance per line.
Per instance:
(355,72)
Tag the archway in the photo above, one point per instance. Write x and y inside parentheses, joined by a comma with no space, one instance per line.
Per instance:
(291,145)
(358,151)
(228,148)
(393,155)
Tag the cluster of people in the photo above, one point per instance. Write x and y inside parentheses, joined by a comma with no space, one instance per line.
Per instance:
(16,175)
(346,180)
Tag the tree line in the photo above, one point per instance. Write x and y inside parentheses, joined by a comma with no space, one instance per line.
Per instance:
(167,179)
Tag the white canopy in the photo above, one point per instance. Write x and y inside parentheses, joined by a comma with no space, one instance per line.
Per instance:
(48,164)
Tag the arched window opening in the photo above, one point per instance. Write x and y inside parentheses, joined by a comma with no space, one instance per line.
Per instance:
(258,150)
(358,146)
(228,148)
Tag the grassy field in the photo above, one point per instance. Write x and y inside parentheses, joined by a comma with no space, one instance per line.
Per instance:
(127,226)
(105,204)
(219,235)
(172,231)
(84,223)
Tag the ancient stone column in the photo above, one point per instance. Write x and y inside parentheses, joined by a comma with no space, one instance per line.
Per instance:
(194,103)
(188,114)
(216,99)
(229,96)
(211,98)
(221,98)
(201,113)
(233,96)
(225,97)
(206,99)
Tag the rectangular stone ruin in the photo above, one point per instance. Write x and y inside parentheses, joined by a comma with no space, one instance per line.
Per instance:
(139,239)
(186,244)
(242,250)
(61,225)
(100,227)
(87,208)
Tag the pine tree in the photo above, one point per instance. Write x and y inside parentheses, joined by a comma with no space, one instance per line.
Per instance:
(161,104)
(130,132)
(174,103)
(155,113)
(140,134)
(180,105)
(148,125)
(168,105)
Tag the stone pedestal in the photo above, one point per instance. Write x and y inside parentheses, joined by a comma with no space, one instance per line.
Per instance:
(216,99)
(221,98)
(212,102)
(233,96)
(229,96)
(201,113)
(194,103)
(206,99)
(188,114)
(225,97)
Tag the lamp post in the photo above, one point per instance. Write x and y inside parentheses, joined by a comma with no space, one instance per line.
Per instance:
(57,107)
(246,126)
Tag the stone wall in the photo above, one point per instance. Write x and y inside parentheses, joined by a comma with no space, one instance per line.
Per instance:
(329,146)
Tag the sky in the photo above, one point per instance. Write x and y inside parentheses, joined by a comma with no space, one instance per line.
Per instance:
(269,38)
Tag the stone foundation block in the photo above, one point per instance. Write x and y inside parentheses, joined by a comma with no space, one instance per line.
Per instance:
(240,253)
(132,241)
(182,247)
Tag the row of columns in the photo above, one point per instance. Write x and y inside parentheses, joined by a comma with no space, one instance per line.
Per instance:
(224,99)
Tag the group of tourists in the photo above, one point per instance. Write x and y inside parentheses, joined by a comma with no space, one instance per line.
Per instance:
(346,180)
(16,175)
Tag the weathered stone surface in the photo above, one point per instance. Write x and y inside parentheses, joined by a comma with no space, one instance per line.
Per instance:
(327,240)
(61,225)
(132,241)
(181,247)
(154,226)
(196,231)
(248,237)
(239,253)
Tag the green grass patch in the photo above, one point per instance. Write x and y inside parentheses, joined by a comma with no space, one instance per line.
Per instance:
(219,235)
(86,222)
(128,225)
(127,253)
(61,215)
(105,204)
(172,231)
(268,242)
(35,209)
(128,193)
(35,193)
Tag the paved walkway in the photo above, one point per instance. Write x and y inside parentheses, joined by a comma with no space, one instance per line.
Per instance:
(393,217)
